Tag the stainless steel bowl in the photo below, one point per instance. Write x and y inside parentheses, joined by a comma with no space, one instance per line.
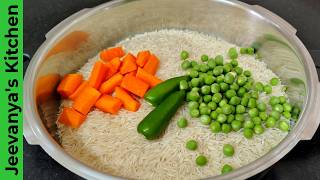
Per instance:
(84,34)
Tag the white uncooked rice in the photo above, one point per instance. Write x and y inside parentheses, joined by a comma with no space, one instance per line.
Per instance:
(110,143)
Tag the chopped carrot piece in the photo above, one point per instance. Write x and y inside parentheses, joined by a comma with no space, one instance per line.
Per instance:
(116,62)
(148,78)
(46,86)
(134,85)
(98,74)
(69,84)
(109,104)
(108,86)
(111,71)
(128,101)
(142,58)
(152,64)
(76,93)
(128,64)
(108,54)
(71,117)
(132,73)
(86,99)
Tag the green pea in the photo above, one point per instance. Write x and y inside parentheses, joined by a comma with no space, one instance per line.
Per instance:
(253,112)
(194,113)
(274,81)
(238,70)
(241,80)
(244,101)
(193,73)
(234,63)
(227,68)
(193,105)
(284,126)
(186,65)
(287,114)
(205,119)
(192,145)
(223,102)
(267,89)
(232,53)
(275,114)
(252,103)
(262,106)
(184,55)
(218,60)
(258,87)
(219,110)
(270,122)
(263,116)
(204,68)
(278,107)
(215,127)
(246,95)
(208,80)
(215,88)
(274,100)
(224,87)
(196,89)
(207,98)
(240,109)
(205,110)
(211,63)
(204,58)
(282,99)
(250,51)
(230,118)
(239,117)
(214,115)
(183,85)
(182,123)
(287,107)
(229,78)
(212,105)
(226,109)
(241,91)
(202,75)
(236,125)
(194,95)
(194,63)
(247,133)
(230,93)
(234,86)
(296,110)
(235,100)
(247,73)
(220,78)
(256,120)
(195,82)
(197,67)
(217,97)
(243,50)
(210,73)
(255,94)
(226,128)
(221,118)
(205,89)
(217,70)
(201,160)
(258,129)
(248,124)
(228,150)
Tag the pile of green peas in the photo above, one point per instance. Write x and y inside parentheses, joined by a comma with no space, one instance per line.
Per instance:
(226,98)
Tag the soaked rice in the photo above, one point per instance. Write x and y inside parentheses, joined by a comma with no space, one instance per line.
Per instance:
(110,143)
